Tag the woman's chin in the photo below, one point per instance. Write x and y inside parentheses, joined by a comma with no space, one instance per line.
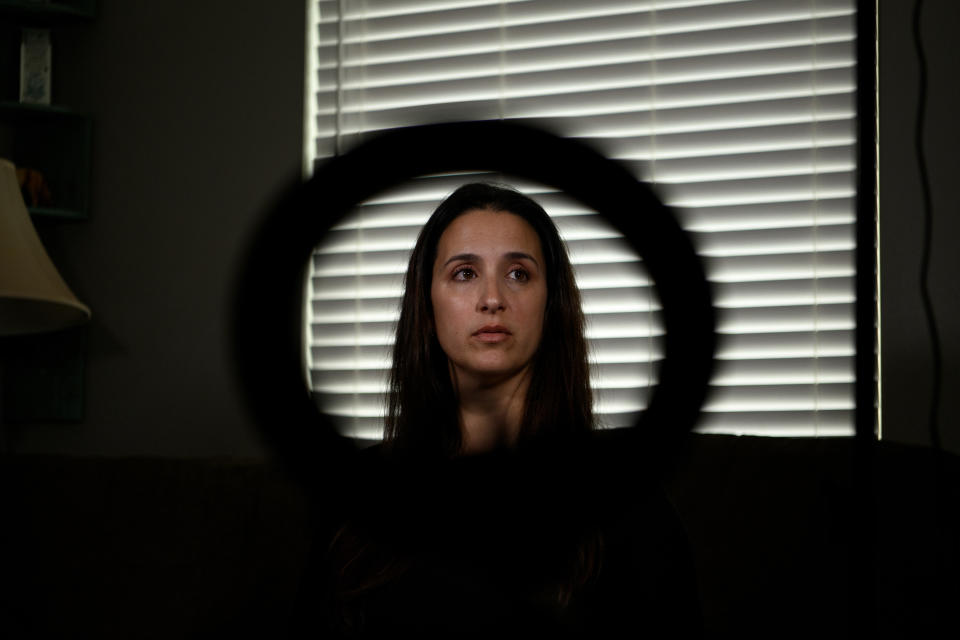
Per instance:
(490,371)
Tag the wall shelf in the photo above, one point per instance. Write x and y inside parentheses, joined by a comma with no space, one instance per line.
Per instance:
(31,13)
(44,374)
(56,142)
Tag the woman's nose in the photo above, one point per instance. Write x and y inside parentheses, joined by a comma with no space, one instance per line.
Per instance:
(491,297)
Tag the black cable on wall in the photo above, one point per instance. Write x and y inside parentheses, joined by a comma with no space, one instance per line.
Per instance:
(930,315)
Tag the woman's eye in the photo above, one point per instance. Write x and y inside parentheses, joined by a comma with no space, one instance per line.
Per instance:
(520,275)
(464,273)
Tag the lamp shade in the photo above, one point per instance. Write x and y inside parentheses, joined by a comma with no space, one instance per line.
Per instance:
(33,296)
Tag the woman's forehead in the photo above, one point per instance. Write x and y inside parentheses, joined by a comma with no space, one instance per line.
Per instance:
(486,233)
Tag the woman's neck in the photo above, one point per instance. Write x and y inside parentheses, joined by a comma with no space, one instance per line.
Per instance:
(491,415)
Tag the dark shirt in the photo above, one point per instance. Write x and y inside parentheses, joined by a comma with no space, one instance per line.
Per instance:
(491,562)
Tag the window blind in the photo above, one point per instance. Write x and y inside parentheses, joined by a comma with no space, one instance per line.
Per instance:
(741,114)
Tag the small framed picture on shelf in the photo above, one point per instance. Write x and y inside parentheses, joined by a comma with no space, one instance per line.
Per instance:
(35,61)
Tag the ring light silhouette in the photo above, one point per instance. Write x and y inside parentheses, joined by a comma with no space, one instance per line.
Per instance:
(268,297)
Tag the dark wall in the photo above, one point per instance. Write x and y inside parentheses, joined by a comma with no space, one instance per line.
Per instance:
(198,112)
(905,347)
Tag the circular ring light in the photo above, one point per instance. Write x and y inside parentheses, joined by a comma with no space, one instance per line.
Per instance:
(268,297)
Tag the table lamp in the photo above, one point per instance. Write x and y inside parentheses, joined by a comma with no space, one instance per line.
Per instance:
(33,296)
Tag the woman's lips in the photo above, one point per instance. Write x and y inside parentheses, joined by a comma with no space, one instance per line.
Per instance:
(491,333)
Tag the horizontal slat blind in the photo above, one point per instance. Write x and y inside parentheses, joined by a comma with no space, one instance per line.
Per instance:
(741,113)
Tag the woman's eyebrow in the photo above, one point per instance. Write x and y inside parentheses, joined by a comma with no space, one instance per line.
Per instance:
(472,257)
(466,257)
(520,255)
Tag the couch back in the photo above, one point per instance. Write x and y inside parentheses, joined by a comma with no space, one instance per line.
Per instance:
(789,536)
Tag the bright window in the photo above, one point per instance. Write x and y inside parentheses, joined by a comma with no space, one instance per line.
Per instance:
(742,114)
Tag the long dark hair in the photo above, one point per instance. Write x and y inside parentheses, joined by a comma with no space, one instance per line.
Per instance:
(423,415)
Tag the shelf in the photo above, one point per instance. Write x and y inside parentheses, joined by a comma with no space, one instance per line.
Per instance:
(23,111)
(54,141)
(32,13)
(44,379)
(41,213)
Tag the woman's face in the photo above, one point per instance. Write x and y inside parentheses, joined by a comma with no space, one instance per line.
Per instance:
(489,293)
